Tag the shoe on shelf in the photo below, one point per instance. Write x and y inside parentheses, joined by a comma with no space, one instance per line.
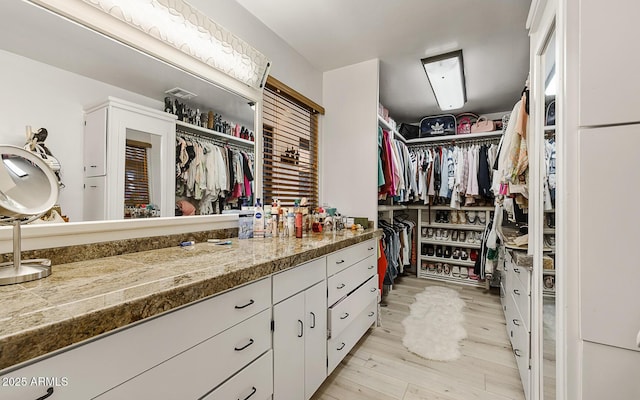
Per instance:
(472,274)
(431,250)
(463,254)
(456,254)
(454,217)
(423,265)
(439,268)
(445,217)
(462,236)
(430,233)
(473,255)
(445,234)
(462,217)
(464,272)
(438,251)
(446,269)
(455,271)
(432,268)
(438,234)
(471,217)
(423,249)
(478,237)
(423,231)
(482,218)
(454,236)
(447,252)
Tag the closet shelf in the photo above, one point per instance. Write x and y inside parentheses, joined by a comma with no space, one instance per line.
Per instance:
(549,128)
(455,226)
(548,272)
(388,127)
(214,134)
(469,136)
(549,293)
(462,245)
(391,208)
(466,263)
(445,278)
(447,208)
(549,231)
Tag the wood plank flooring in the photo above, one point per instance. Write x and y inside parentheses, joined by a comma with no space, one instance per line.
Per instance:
(379,367)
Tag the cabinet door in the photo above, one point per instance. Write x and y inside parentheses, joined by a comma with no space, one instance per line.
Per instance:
(95,143)
(94,198)
(315,345)
(288,348)
(609,272)
(608,82)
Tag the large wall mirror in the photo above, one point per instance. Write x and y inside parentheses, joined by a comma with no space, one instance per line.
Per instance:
(56,69)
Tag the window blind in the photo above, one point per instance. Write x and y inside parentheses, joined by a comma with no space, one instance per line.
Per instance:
(136,177)
(290,158)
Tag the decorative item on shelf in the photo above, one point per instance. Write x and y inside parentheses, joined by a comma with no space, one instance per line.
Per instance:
(409,131)
(465,120)
(483,125)
(290,156)
(438,125)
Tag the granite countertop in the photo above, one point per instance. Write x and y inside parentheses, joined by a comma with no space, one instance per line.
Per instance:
(83,299)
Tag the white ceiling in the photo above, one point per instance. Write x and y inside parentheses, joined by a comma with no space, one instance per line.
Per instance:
(335,33)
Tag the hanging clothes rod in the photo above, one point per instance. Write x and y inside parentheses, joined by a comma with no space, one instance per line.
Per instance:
(214,140)
(456,141)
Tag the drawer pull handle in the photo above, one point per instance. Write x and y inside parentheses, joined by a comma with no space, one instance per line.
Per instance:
(369,248)
(345,316)
(516,291)
(373,289)
(339,261)
(301,331)
(340,286)
(371,314)
(245,346)
(516,270)
(516,322)
(517,353)
(246,305)
(253,391)
(313,320)
(371,267)
(93,166)
(341,346)
(46,396)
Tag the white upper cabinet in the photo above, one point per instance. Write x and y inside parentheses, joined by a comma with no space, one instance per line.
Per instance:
(609,62)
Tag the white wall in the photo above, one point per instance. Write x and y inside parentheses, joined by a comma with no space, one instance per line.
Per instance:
(39,95)
(349,142)
(288,66)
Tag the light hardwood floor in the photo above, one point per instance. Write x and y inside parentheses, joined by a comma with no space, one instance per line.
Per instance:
(379,367)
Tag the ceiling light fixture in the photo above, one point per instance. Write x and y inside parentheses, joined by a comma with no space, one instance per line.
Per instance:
(446,76)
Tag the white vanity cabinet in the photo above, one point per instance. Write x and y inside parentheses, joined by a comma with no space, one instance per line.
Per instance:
(299,331)
(107,128)
(157,358)
(352,298)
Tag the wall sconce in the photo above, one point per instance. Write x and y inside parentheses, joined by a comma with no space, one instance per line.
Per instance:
(446,76)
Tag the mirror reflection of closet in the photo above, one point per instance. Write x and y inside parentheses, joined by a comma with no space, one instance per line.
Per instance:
(548,282)
(56,69)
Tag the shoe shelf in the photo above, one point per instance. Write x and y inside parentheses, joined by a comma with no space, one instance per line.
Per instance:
(548,272)
(464,245)
(447,208)
(468,227)
(215,134)
(549,293)
(449,278)
(450,260)
(397,207)
(549,231)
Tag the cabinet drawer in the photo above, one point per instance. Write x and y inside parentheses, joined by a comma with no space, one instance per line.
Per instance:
(522,301)
(522,275)
(343,283)
(129,352)
(344,258)
(297,279)
(520,344)
(195,372)
(345,311)
(338,347)
(253,382)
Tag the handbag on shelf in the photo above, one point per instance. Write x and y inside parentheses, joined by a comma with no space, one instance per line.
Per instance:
(409,131)
(438,125)
(465,120)
(483,125)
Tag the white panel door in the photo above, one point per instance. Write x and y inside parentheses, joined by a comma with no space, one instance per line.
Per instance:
(95,143)
(94,197)
(610,373)
(288,348)
(609,85)
(609,226)
(315,347)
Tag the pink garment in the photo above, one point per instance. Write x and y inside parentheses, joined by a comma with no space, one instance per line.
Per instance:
(247,187)
(391,158)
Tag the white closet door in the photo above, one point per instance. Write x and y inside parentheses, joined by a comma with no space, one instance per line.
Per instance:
(609,230)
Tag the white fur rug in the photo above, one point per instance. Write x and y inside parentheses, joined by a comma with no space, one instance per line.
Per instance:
(434,326)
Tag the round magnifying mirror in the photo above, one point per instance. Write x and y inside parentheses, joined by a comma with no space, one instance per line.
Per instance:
(28,189)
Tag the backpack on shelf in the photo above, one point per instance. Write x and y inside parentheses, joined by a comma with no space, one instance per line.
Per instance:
(439,125)
(465,120)
(409,131)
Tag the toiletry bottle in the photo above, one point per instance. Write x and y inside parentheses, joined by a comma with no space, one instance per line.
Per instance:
(291,228)
(258,221)
(299,224)
(268,232)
